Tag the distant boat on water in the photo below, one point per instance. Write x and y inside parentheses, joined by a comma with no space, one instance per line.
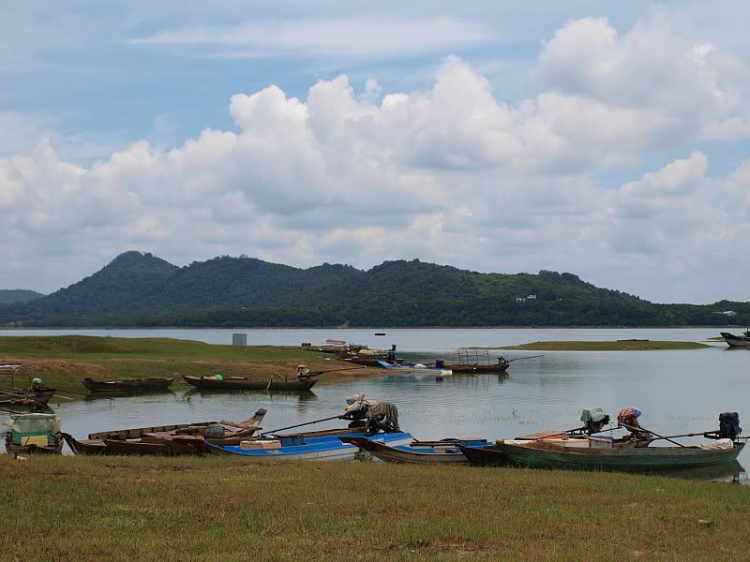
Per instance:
(737,341)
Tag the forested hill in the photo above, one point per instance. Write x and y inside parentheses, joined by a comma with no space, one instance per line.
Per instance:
(138,289)
(18,295)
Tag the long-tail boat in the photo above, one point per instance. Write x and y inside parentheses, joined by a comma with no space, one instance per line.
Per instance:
(132,385)
(306,447)
(590,454)
(417,452)
(242,383)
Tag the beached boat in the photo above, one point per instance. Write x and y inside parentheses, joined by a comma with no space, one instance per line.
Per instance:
(417,452)
(488,455)
(301,447)
(33,433)
(86,446)
(164,440)
(594,454)
(133,385)
(242,383)
(737,341)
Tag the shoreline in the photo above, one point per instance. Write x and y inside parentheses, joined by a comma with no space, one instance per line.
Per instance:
(577,327)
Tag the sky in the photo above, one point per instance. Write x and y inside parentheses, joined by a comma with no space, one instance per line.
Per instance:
(605,139)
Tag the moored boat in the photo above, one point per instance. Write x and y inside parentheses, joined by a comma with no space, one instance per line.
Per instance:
(602,457)
(737,341)
(132,385)
(417,452)
(242,383)
(298,447)
(414,368)
(489,455)
(165,440)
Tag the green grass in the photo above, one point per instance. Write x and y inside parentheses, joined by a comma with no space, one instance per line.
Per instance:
(223,509)
(607,345)
(64,361)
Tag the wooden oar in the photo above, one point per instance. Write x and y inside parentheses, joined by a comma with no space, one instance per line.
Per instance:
(644,430)
(301,424)
(88,394)
(669,437)
(522,358)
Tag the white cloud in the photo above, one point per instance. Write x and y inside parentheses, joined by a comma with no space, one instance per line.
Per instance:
(353,36)
(450,174)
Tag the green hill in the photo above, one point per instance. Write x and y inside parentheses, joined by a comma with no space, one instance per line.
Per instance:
(8,296)
(138,289)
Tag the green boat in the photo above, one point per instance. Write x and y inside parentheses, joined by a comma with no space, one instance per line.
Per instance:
(599,456)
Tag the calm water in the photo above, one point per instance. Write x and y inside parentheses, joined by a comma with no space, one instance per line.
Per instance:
(678,391)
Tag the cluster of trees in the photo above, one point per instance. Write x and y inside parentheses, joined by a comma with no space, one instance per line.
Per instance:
(143,290)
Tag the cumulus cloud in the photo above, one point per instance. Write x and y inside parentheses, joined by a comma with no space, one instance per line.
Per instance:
(451,174)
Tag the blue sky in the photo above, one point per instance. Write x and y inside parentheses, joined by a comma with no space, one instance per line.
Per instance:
(608,139)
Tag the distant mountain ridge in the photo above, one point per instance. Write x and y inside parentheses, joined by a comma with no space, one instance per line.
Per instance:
(139,289)
(8,296)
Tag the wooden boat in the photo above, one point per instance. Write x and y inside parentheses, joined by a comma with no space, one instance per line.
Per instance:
(164,440)
(299,447)
(489,455)
(416,452)
(478,369)
(134,385)
(40,398)
(597,456)
(242,383)
(86,446)
(34,433)
(737,341)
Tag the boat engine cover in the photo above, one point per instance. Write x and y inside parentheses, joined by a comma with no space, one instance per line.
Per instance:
(729,425)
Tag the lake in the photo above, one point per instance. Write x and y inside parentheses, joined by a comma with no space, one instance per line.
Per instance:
(678,391)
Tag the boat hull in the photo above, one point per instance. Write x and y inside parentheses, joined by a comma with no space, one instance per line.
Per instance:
(735,341)
(135,385)
(485,456)
(328,448)
(436,453)
(245,384)
(641,459)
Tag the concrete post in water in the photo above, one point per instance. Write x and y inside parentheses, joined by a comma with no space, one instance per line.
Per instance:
(239,339)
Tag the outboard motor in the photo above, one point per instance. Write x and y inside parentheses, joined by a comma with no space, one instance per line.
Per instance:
(729,425)
(594,420)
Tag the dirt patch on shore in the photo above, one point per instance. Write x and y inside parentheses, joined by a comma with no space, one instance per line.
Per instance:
(44,367)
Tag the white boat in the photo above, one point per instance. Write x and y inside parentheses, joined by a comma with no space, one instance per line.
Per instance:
(416,368)
(737,341)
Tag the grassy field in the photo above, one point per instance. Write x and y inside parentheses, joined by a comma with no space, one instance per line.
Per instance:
(64,361)
(607,345)
(80,509)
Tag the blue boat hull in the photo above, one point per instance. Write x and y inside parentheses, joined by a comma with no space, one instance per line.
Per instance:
(317,448)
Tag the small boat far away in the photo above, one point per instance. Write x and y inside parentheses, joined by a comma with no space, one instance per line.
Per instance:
(130,385)
(737,341)
(219,382)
